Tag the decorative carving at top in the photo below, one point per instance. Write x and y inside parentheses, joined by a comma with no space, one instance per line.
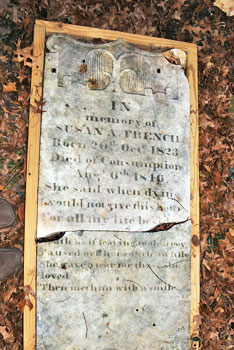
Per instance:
(115,66)
(99,69)
(129,72)
(135,74)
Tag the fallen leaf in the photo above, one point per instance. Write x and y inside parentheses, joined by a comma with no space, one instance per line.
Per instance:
(9,87)
(24,55)
(20,211)
(25,299)
(5,334)
(4,123)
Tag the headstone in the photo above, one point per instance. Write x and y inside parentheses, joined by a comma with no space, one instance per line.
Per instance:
(114,168)
(115,290)
(114,140)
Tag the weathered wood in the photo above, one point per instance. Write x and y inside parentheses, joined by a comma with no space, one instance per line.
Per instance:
(194,169)
(32,185)
(91,33)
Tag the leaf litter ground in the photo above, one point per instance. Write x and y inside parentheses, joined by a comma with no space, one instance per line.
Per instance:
(199,22)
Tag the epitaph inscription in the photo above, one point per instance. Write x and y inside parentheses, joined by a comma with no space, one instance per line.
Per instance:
(115,290)
(114,151)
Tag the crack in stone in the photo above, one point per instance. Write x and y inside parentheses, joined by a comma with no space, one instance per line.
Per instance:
(57,235)
(166,226)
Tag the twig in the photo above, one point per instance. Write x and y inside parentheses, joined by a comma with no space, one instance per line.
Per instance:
(11,180)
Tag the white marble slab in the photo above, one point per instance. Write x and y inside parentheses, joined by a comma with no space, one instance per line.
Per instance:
(114,290)
(114,151)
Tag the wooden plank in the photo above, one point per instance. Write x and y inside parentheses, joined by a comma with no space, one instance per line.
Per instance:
(43,28)
(91,33)
(194,213)
(32,184)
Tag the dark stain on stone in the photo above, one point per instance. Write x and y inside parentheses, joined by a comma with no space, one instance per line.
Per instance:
(82,68)
(92,84)
(63,266)
(52,237)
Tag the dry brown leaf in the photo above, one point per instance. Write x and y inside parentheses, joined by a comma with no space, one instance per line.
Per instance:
(231,231)
(4,124)
(198,22)
(25,299)
(15,15)
(9,87)
(8,293)
(5,334)
(24,55)
(3,58)
(20,211)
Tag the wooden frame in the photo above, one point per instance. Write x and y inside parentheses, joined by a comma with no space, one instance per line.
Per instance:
(41,30)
